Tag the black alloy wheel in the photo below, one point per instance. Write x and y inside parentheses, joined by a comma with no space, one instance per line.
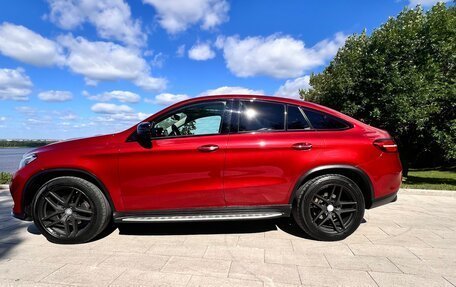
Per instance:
(329,207)
(70,210)
(65,211)
(333,208)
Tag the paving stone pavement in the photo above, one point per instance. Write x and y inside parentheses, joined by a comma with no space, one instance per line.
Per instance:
(408,243)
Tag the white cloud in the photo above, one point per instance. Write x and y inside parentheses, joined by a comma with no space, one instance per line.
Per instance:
(291,87)
(111,18)
(55,96)
(426,3)
(327,48)
(121,96)
(149,83)
(107,61)
(178,15)
(26,110)
(2,119)
(167,99)
(130,117)
(106,108)
(226,90)
(69,117)
(14,85)
(276,56)
(96,61)
(123,118)
(158,60)
(24,45)
(201,52)
(102,60)
(180,51)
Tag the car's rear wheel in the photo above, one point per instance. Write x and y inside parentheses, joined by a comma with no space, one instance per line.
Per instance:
(70,210)
(329,207)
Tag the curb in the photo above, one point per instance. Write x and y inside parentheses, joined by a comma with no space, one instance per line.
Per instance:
(4,186)
(431,192)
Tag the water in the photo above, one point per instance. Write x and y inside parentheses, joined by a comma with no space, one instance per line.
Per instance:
(10,158)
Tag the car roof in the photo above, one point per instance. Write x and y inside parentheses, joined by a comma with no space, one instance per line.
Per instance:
(246,97)
(242,96)
(277,99)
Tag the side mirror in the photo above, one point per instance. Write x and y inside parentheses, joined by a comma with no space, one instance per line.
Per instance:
(144,136)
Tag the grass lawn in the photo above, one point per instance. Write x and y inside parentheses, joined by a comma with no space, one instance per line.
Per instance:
(431,179)
(5,177)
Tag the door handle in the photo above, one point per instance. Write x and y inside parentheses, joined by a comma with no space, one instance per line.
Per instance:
(208,148)
(302,146)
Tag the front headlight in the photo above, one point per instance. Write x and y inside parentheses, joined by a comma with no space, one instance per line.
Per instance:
(26,159)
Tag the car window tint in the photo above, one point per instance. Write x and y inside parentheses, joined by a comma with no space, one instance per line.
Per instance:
(202,126)
(322,121)
(199,119)
(261,116)
(295,119)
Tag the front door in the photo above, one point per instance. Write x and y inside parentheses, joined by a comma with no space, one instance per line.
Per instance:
(183,169)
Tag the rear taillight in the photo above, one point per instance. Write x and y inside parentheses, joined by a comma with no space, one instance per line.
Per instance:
(386,145)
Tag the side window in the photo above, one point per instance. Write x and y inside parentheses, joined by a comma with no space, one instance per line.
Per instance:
(295,119)
(197,119)
(322,121)
(261,116)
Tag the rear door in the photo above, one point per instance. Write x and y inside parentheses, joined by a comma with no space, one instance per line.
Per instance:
(270,147)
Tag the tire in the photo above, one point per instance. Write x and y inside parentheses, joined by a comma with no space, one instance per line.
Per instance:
(329,207)
(70,210)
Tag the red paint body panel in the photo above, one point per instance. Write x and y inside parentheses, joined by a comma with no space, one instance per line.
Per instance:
(172,174)
(248,169)
(262,168)
(95,155)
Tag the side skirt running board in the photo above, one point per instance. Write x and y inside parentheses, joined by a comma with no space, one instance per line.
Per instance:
(211,214)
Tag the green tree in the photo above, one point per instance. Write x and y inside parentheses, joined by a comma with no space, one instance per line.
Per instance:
(401,78)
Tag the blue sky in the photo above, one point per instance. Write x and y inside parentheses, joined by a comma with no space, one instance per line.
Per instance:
(78,68)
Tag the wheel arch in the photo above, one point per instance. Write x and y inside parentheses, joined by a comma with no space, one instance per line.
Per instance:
(352,172)
(37,180)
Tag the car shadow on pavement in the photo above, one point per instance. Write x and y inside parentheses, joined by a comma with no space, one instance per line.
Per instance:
(194,228)
(10,228)
(10,240)
(191,228)
(221,227)
(33,229)
(286,225)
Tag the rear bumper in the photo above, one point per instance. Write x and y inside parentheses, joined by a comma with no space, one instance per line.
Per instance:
(384,200)
(385,173)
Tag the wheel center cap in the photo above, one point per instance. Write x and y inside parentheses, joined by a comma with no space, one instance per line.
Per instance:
(68,211)
(330,208)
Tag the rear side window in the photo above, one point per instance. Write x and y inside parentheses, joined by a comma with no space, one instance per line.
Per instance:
(295,119)
(322,121)
(261,116)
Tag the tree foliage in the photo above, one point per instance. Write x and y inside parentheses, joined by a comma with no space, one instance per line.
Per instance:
(401,78)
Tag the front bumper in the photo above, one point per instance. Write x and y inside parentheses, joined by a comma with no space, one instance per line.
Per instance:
(16,188)
(21,216)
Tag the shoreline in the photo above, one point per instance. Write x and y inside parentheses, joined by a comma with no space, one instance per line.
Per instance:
(19,147)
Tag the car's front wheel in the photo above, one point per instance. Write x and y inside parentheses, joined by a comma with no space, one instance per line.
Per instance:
(70,210)
(329,207)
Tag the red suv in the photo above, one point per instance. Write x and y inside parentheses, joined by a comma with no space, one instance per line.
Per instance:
(213,158)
